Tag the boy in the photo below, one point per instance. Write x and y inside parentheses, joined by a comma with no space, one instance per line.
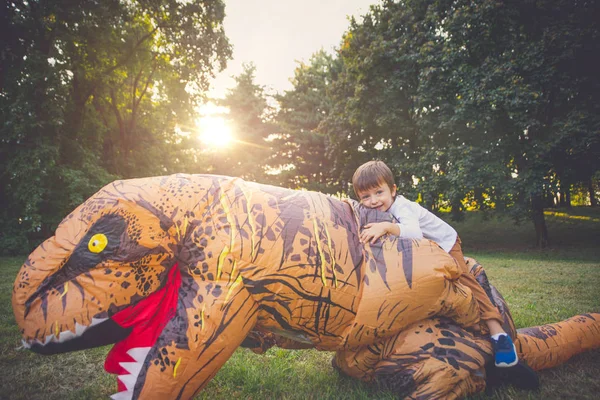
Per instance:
(374,185)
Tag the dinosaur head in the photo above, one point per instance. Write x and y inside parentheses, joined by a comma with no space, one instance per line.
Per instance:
(109,254)
(138,265)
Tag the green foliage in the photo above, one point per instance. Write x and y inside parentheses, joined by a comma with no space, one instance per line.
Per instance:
(299,148)
(474,104)
(93,91)
(496,102)
(374,116)
(13,240)
(514,73)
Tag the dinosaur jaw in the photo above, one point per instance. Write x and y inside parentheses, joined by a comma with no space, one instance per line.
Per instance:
(100,332)
(134,331)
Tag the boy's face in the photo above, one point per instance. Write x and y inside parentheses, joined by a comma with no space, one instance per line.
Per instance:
(380,197)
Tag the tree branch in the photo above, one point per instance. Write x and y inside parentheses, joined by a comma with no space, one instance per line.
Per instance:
(136,102)
(113,104)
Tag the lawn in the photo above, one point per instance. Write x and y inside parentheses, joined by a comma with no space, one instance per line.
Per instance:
(540,286)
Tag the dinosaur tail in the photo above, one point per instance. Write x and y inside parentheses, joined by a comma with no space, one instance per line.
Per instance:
(549,345)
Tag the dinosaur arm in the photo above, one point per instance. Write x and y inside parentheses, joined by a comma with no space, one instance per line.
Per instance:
(211,321)
(259,341)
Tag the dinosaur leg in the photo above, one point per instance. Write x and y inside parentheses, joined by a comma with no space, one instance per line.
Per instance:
(494,295)
(430,359)
(211,320)
(459,304)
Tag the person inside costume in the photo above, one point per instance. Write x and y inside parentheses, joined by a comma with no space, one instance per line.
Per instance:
(374,186)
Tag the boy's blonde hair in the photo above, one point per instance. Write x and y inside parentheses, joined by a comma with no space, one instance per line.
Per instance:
(370,175)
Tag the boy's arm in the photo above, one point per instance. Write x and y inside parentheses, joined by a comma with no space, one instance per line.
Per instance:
(372,232)
(408,216)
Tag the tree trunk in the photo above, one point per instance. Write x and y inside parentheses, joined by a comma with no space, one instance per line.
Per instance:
(567,193)
(593,201)
(548,199)
(478,195)
(456,210)
(539,222)
(563,194)
(431,203)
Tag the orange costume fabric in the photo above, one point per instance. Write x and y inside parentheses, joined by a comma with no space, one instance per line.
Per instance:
(179,271)
(487,308)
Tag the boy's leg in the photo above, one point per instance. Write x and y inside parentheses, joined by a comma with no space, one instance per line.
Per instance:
(505,352)
(488,310)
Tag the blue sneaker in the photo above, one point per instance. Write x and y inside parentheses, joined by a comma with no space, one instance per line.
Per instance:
(505,353)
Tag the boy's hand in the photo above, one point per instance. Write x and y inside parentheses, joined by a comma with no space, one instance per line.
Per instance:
(372,232)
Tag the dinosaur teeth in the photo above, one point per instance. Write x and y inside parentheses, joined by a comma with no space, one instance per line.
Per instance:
(96,321)
(59,338)
(128,395)
(66,335)
(79,329)
(132,367)
(128,381)
(49,339)
(139,353)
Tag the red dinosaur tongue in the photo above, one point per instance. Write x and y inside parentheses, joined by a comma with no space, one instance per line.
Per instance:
(148,318)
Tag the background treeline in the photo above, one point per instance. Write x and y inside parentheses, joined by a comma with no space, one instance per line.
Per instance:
(481,104)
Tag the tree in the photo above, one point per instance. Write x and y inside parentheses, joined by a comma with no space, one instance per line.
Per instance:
(521,74)
(248,117)
(90,90)
(490,100)
(375,115)
(299,148)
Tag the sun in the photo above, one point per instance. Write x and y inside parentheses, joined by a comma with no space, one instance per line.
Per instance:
(215,132)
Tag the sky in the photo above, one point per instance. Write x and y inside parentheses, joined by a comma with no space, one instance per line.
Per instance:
(273,34)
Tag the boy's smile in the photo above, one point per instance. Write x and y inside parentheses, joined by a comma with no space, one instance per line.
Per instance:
(380,197)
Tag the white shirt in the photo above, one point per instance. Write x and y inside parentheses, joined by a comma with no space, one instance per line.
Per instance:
(416,222)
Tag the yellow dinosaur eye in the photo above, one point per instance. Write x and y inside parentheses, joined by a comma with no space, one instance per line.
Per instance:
(97,243)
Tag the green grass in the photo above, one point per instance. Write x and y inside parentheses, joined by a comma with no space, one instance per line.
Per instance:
(540,286)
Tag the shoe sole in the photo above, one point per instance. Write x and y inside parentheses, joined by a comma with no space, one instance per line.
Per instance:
(507,365)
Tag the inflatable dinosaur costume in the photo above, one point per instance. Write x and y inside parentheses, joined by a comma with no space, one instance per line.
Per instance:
(179,271)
